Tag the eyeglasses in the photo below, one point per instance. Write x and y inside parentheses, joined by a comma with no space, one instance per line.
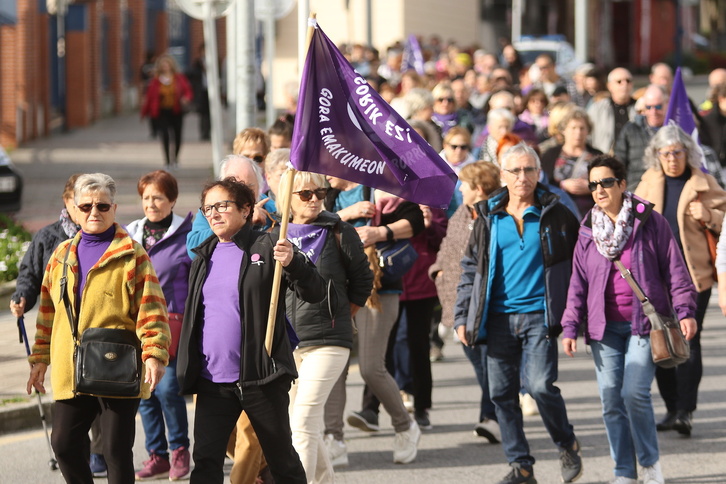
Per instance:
(626,81)
(673,154)
(459,147)
(307,195)
(608,182)
(258,159)
(87,207)
(527,170)
(657,107)
(448,99)
(221,207)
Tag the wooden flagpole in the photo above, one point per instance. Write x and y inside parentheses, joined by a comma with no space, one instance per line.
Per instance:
(285,195)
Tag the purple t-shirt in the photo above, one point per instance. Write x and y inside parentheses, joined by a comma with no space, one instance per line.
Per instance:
(90,249)
(618,293)
(310,239)
(221,337)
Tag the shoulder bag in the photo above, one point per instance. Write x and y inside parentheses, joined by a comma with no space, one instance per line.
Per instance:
(667,344)
(107,361)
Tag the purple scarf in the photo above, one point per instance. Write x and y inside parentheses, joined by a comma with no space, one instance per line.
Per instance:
(445,121)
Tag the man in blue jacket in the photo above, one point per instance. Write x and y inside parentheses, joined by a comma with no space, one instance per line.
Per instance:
(516,307)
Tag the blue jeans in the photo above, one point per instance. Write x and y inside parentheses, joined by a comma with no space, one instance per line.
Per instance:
(513,338)
(625,371)
(165,404)
(478,357)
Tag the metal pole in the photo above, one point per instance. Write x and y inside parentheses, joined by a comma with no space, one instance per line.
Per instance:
(232,20)
(245,66)
(369,23)
(212,66)
(516,19)
(303,9)
(581,8)
(61,9)
(270,58)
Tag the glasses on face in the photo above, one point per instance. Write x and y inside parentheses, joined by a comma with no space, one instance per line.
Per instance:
(258,159)
(447,99)
(220,207)
(626,81)
(657,107)
(459,147)
(307,195)
(608,182)
(87,207)
(527,170)
(671,154)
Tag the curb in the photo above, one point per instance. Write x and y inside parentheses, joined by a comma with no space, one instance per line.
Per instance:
(24,416)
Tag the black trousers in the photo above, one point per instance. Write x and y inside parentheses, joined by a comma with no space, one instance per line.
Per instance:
(219,405)
(170,124)
(679,386)
(72,420)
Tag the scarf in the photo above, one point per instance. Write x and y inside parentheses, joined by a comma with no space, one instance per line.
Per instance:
(610,238)
(155,231)
(445,121)
(68,225)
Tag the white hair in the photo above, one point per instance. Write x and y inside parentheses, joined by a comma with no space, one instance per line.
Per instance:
(224,164)
(92,183)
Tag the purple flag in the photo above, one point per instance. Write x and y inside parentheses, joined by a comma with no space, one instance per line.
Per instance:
(680,113)
(345,129)
(412,56)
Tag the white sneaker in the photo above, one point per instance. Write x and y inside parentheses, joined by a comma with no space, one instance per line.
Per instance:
(653,474)
(337,451)
(405,444)
(528,404)
(407,400)
(489,429)
(623,480)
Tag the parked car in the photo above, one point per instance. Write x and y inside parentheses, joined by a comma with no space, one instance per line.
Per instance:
(11,184)
(556,46)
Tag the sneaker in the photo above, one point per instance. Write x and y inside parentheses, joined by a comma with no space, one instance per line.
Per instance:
(571,463)
(528,404)
(366,420)
(435,354)
(405,444)
(653,474)
(422,419)
(154,468)
(179,464)
(520,474)
(623,480)
(489,429)
(407,400)
(337,451)
(98,465)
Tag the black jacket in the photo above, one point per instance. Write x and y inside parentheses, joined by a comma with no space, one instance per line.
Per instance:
(348,277)
(255,285)
(32,268)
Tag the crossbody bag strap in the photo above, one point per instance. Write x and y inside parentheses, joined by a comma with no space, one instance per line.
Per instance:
(66,299)
(628,276)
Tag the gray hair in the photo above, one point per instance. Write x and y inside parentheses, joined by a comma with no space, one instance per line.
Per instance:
(419,99)
(499,114)
(242,159)
(518,150)
(92,183)
(276,158)
(672,134)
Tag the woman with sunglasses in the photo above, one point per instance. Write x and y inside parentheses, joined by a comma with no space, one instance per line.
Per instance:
(111,284)
(325,328)
(222,356)
(457,154)
(163,234)
(445,115)
(624,227)
(692,202)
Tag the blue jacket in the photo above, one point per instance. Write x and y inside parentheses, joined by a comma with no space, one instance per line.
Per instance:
(657,266)
(558,235)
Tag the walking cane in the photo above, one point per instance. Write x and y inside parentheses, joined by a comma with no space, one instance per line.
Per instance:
(23,336)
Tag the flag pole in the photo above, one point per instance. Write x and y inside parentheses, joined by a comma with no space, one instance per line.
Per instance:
(285,196)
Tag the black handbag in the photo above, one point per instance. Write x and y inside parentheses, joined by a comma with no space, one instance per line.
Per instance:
(107,361)
(667,344)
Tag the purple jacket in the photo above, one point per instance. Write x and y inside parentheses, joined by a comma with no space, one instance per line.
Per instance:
(657,266)
(170,259)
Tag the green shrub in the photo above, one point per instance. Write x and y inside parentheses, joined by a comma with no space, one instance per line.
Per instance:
(14,241)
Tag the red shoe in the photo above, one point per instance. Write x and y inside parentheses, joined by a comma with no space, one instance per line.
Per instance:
(179,464)
(154,468)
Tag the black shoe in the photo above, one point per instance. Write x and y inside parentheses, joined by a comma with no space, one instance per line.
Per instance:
(683,423)
(422,419)
(366,420)
(667,423)
(520,474)
(571,463)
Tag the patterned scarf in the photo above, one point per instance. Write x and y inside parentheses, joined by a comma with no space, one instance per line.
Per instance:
(610,239)
(69,226)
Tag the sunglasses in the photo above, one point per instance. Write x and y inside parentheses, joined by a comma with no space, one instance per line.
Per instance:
(87,207)
(258,159)
(442,99)
(221,207)
(657,107)
(307,195)
(459,147)
(608,182)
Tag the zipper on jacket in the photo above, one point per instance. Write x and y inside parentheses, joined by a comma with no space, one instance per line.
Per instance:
(548,236)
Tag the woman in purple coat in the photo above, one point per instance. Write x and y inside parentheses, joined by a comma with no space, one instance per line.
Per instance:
(622,226)
(163,234)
